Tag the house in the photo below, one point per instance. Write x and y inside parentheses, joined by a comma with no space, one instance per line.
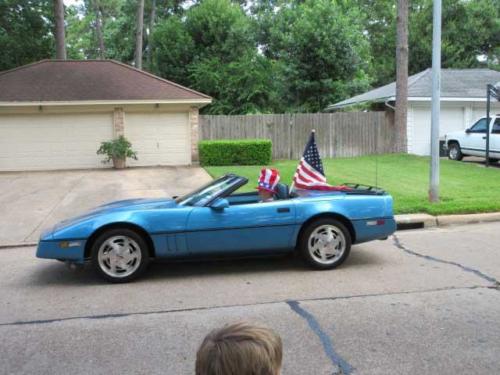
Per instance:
(55,113)
(463,101)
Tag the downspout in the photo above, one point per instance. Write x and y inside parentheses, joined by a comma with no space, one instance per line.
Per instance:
(389,105)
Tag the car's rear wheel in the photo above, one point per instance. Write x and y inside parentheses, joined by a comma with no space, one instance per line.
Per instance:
(325,243)
(120,255)
(455,152)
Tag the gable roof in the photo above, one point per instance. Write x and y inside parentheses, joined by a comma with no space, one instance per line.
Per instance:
(455,83)
(89,80)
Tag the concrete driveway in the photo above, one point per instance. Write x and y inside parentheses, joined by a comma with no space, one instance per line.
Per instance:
(31,201)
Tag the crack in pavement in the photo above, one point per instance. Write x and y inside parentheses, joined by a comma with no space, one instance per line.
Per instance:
(203,308)
(476,272)
(341,366)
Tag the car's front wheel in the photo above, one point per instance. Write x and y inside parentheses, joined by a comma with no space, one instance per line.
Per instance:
(325,243)
(120,255)
(455,152)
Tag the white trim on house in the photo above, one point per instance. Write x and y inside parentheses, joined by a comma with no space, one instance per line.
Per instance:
(105,102)
(444,99)
(410,124)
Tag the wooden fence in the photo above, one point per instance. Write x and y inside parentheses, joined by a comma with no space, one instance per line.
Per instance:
(337,134)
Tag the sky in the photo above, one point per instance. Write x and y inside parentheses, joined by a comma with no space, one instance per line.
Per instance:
(72,2)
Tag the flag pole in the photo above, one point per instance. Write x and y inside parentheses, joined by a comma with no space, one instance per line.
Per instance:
(292,186)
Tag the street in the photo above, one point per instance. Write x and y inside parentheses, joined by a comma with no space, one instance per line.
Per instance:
(423,301)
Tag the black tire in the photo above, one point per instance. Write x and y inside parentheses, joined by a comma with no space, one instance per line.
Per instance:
(455,152)
(137,243)
(305,239)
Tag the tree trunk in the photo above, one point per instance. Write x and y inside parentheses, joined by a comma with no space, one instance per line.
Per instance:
(150,36)
(59,32)
(400,118)
(98,29)
(138,34)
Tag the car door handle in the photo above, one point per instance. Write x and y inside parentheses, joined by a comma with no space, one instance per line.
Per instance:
(283,210)
(484,137)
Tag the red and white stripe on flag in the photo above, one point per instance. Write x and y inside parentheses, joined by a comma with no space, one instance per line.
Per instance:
(306,177)
(309,174)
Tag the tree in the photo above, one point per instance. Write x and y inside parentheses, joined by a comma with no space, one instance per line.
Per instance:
(98,28)
(59,29)
(400,117)
(25,32)
(471,29)
(152,22)
(138,34)
(324,53)
(470,34)
(213,48)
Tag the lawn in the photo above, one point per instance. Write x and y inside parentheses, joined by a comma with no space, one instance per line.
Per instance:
(464,188)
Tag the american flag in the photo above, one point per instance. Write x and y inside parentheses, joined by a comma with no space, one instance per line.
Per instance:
(310,174)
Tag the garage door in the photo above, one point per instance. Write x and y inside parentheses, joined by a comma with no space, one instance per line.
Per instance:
(52,141)
(451,119)
(159,138)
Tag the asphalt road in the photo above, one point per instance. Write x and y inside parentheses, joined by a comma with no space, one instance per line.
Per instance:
(424,301)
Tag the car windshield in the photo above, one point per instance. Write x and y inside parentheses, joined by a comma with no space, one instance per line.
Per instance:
(207,192)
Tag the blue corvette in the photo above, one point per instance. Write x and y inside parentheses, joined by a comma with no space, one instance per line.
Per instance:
(121,238)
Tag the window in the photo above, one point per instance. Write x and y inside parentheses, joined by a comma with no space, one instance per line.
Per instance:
(209,191)
(479,127)
(496,127)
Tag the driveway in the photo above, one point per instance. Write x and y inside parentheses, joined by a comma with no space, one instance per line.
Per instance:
(32,201)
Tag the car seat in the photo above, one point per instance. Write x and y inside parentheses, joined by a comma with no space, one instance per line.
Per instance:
(281,191)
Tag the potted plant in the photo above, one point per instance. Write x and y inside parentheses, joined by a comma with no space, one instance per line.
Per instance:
(118,150)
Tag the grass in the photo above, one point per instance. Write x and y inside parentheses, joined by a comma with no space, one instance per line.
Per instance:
(464,187)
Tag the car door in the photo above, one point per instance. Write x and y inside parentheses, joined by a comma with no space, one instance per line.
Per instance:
(474,142)
(495,139)
(244,228)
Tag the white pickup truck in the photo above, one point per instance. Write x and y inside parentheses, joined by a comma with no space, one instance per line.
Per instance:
(472,141)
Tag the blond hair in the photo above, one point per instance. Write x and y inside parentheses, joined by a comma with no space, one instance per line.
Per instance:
(240,349)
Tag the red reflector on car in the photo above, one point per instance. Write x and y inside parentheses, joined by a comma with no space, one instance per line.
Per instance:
(380,222)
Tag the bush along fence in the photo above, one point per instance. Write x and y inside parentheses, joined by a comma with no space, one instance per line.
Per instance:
(235,152)
(337,134)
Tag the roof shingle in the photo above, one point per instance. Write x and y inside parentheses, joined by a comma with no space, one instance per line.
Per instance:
(455,83)
(87,80)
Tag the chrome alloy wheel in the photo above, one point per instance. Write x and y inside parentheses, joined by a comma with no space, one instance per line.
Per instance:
(453,152)
(119,256)
(326,244)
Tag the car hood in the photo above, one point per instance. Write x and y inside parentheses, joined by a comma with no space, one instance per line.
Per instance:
(117,206)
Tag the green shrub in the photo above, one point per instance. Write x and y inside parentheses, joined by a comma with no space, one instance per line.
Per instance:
(119,148)
(235,152)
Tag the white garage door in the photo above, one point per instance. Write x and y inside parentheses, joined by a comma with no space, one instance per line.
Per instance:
(451,119)
(158,138)
(52,141)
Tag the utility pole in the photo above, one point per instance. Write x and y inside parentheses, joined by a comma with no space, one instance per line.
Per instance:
(59,32)
(400,116)
(491,91)
(436,105)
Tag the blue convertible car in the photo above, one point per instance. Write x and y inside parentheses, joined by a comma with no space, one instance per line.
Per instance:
(121,238)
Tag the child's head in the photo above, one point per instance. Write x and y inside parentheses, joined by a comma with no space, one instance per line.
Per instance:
(240,349)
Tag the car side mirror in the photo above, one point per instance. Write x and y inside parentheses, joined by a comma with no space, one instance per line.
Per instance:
(220,204)
(468,131)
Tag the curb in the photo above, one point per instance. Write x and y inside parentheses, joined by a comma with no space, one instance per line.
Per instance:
(23,244)
(417,221)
